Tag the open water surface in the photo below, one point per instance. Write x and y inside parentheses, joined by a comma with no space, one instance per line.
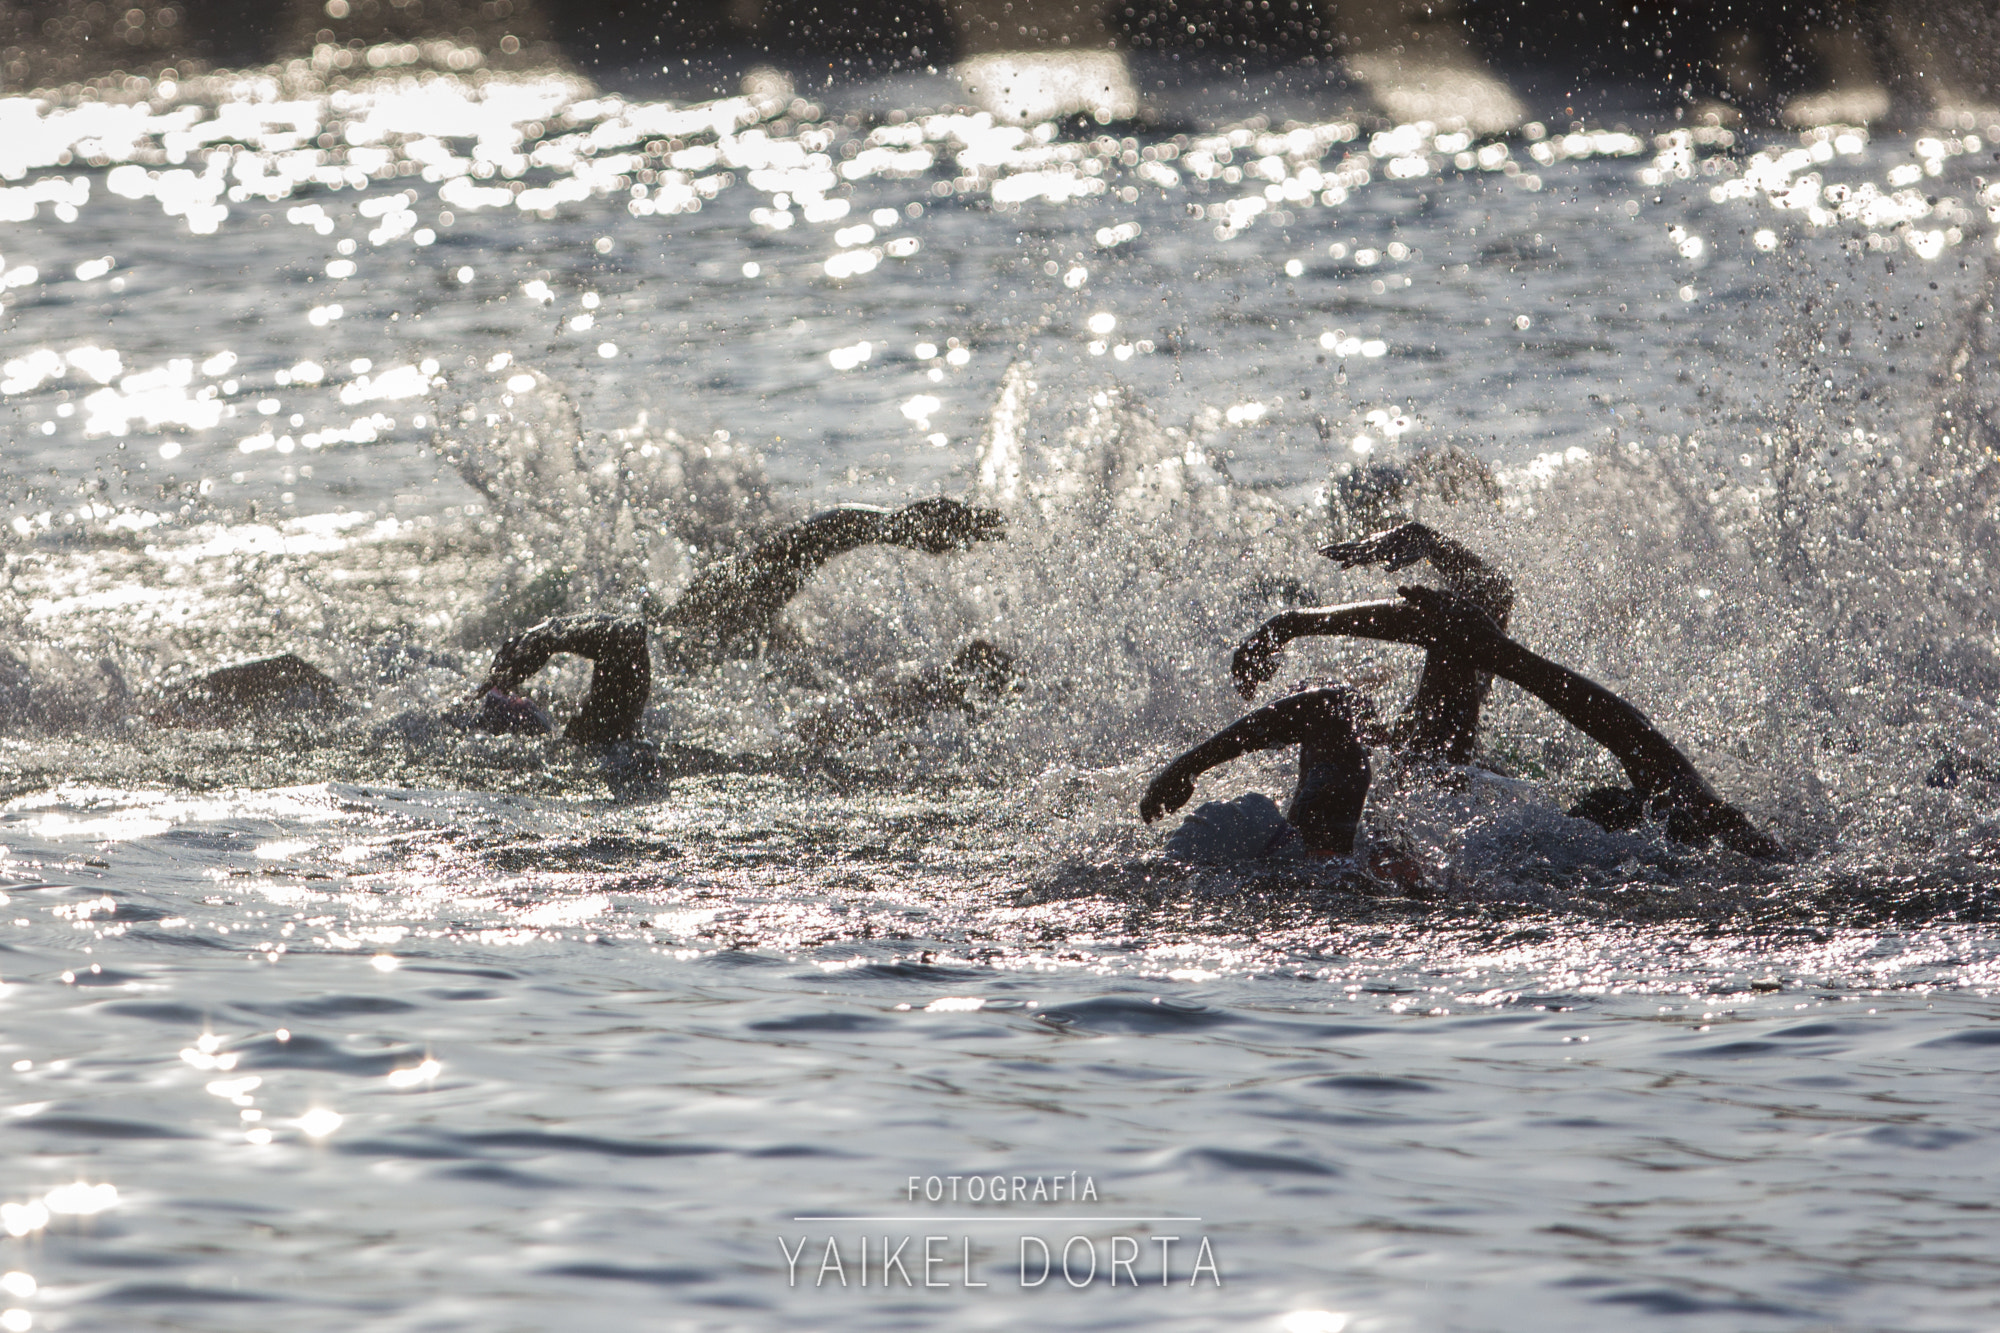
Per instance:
(367,1023)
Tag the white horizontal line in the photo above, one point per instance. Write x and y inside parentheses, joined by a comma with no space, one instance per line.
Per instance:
(1019,1217)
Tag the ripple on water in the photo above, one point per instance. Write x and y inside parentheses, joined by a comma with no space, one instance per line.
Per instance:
(1586,1076)
(1131,1013)
(304,1050)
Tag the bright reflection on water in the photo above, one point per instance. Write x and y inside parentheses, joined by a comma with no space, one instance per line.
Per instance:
(368,1023)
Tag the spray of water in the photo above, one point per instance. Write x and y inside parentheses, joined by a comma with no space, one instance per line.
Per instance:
(1809,623)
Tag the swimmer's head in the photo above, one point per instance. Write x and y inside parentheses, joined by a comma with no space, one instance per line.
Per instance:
(1374,496)
(986,666)
(1369,498)
(507,714)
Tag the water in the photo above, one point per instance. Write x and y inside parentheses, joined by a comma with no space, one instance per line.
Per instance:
(374,1024)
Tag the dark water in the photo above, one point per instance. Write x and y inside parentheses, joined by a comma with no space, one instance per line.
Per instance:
(372,1024)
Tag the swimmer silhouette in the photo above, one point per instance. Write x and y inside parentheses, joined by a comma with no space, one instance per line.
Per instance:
(1460,627)
(730,607)
(263,689)
(1325,810)
(732,604)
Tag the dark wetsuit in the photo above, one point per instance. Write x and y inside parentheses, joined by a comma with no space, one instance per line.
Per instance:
(621,675)
(1325,809)
(730,606)
(1463,643)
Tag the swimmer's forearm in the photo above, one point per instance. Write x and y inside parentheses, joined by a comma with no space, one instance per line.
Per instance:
(1173,786)
(518,659)
(604,639)
(1256,661)
(742,593)
(1659,771)
(1652,761)
(807,545)
(1288,721)
(1214,752)
(1315,717)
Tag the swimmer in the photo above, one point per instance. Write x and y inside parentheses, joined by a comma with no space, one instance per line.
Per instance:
(730,607)
(264,689)
(621,679)
(1465,646)
(1325,810)
(980,671)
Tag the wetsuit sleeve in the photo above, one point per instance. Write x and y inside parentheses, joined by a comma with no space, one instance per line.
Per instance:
(1322,721)
(742,595)
(621,676)
(1438,621)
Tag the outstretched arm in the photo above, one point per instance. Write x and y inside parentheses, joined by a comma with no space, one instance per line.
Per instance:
(741,595)
(1464,573)
(621,675)
(1321,717)
(1256,659)
(1438,621)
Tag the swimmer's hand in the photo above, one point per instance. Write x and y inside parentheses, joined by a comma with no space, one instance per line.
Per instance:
(1166,794)
(1695,815)
(938,525)
(512,664)
(1393,549)
(1256,660)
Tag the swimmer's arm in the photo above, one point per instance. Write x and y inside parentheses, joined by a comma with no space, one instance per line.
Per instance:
(1442,623)
(1397,621)
(1256,660)
(1464,572)
(1659,772)
(620,680)
(743,593)
(807,545)
(1292,720)
(522,655)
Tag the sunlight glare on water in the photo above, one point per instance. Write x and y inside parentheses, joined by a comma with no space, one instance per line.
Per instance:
(354,1019)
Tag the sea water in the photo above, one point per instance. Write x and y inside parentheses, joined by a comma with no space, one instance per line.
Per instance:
(364,1022)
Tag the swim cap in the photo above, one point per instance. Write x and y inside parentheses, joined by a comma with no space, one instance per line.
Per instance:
(512,715)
